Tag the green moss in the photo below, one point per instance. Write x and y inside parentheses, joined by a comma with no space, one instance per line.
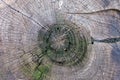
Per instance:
(41,72)
(37,75)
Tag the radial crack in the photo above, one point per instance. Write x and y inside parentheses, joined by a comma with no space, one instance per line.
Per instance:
(107,40)
(99,11)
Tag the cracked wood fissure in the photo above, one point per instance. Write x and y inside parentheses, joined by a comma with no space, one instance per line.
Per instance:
(107,40)
(99,11)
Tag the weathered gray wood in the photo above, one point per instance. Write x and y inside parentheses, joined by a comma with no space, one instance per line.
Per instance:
(20,21)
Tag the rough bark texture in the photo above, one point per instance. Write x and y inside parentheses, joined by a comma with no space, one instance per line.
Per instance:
(20,21)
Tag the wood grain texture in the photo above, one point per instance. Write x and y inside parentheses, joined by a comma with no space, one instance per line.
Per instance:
(20,21)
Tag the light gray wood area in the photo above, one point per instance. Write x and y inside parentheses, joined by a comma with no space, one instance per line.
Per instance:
(20,21)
